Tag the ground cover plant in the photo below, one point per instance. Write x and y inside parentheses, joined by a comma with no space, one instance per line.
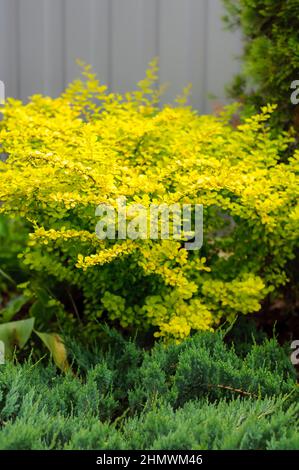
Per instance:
(198,394)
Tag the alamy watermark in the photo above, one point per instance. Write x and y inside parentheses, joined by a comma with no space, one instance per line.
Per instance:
(157,221)
(295,354)
(2,92)
(295,94)
(2,352)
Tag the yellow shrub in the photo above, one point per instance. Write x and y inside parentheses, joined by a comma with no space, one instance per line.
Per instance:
(88,146)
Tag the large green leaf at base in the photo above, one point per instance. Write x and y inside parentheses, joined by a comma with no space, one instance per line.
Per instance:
(16,334)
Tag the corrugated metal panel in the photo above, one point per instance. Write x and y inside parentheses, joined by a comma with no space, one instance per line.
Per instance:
(40,41)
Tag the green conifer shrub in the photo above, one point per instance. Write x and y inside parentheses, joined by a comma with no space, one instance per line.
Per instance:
(271,55)
(195,395)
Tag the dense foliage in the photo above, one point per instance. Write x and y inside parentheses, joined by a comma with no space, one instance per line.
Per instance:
(271,54)
(67,155)
(196,395)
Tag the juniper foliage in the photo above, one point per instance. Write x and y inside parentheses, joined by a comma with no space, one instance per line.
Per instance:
(198,394)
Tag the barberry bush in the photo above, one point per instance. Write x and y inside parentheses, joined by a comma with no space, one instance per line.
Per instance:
(67,155)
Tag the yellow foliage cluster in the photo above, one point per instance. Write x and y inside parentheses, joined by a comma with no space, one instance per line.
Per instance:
(88,146)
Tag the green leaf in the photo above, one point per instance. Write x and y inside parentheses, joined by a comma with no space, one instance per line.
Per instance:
(57,349)
(7,277)
(16,334)
(13,307)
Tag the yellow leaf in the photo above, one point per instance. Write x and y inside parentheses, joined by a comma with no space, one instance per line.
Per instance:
(57,349)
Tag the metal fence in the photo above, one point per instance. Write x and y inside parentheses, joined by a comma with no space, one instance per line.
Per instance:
(40,41)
